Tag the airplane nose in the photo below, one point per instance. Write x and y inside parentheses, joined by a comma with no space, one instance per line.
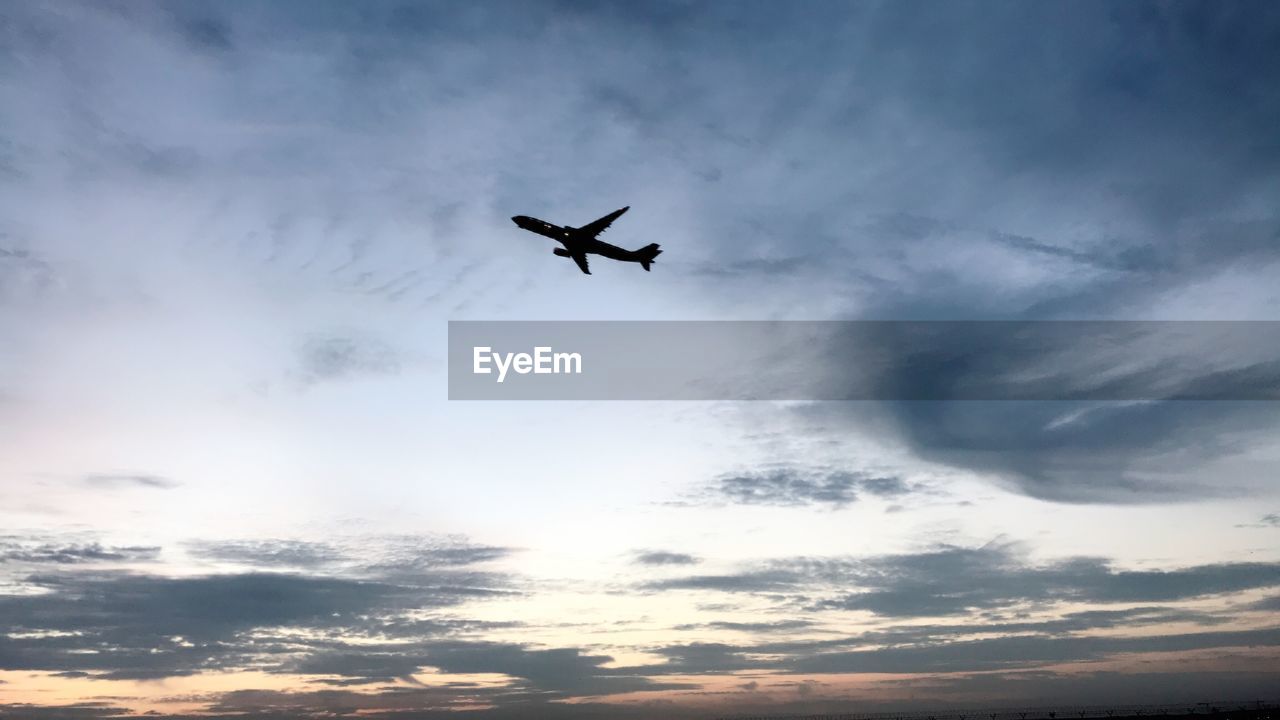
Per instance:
(516,219)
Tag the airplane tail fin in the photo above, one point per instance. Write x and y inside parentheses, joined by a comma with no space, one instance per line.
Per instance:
(647,254)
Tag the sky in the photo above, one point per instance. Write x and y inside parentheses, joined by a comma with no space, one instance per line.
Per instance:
(232,236)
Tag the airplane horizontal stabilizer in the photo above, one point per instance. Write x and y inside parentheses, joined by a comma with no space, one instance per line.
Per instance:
(647,254)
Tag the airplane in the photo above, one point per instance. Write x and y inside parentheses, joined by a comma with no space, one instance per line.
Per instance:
(579,242)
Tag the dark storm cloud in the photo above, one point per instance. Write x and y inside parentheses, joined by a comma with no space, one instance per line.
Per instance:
(1129,80)
(957,580)
(665,557)
(1076,452)
(110,480)
(1123,110)
(1136,100)
(1068,438)
(794,487)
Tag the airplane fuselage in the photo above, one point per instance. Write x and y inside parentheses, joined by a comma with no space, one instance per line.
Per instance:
(573,240)
(582,241)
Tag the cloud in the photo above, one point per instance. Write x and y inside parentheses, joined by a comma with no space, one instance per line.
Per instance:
(204,32)
(1025,651)
(435,703)
(406,556)
(377,555)
(664,557)
(800,487)
(989,623)
(113,481)
(568,671)
(869,653)
(22,550)
(158,626)
(755,581)
(347,620)
(1061,411)
(22,273)
(266,553)
(333,357)
(954,580)
(1072,452)
(541,673)
(1268,604)
(1270,520)
(750,627)
(145,626)
(70,711)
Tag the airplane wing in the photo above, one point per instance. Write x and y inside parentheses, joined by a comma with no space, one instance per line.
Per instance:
(595,228)
(581,259)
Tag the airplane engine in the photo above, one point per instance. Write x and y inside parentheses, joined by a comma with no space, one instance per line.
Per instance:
(561,252)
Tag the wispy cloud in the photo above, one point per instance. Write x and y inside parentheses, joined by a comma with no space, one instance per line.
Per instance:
(23,550)
(123,480)
(267,553)
(664,557)
(332,357)
(798,487)
(1270,520)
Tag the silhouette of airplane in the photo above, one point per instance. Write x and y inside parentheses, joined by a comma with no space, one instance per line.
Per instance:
(580,242)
